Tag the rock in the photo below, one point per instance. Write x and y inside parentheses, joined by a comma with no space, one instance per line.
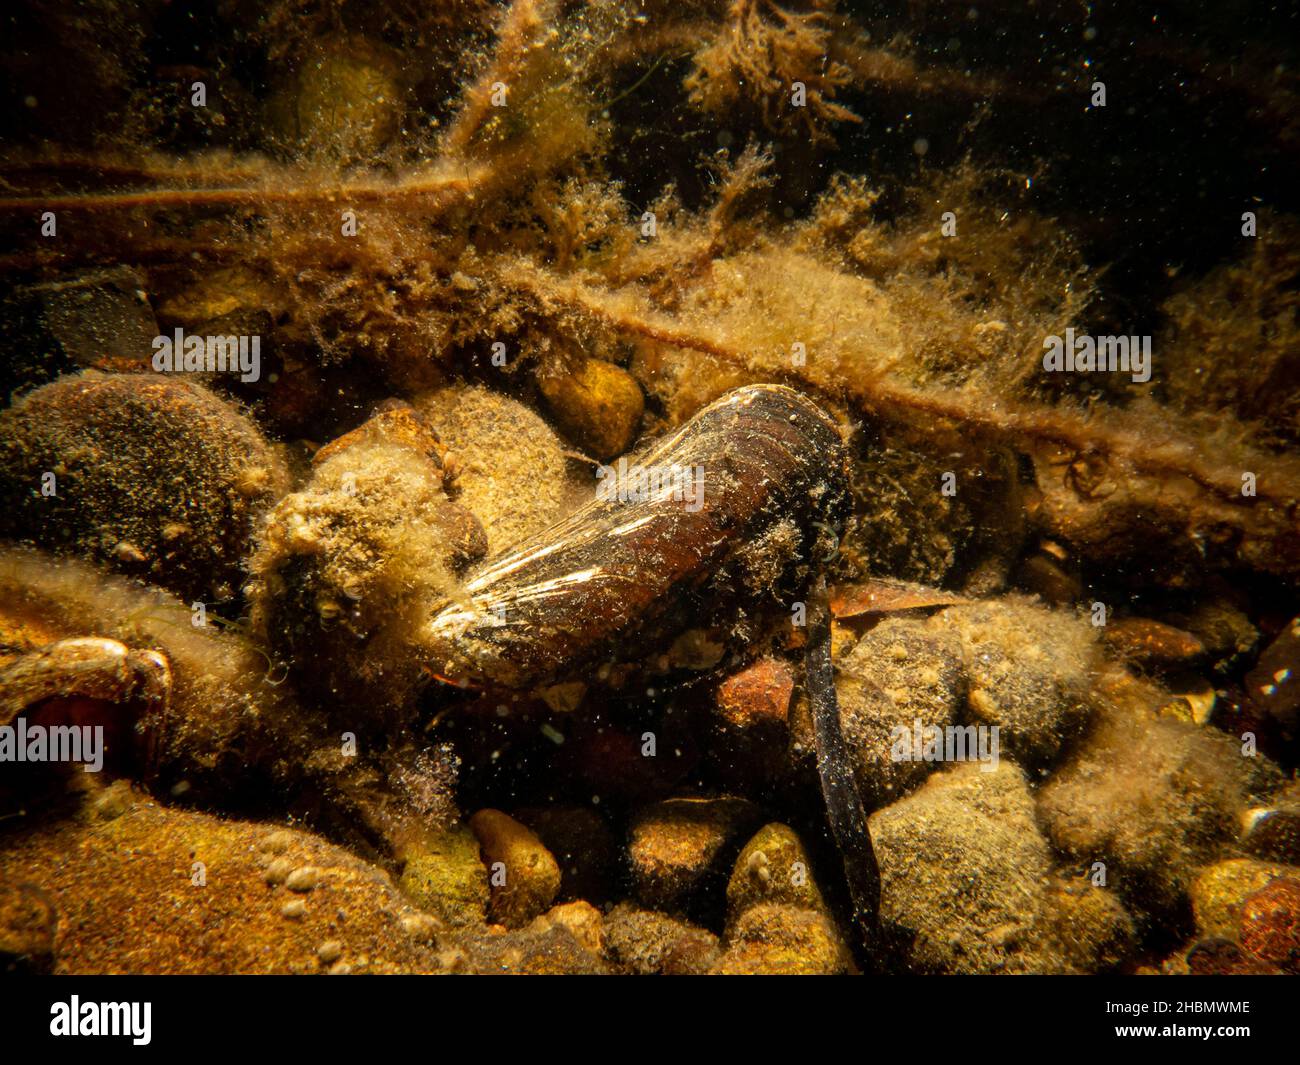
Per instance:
(303,879)
(646,943)
(28,922)
(330,951)
(771,939)
(1029,673)
(344,101)
(547,948)
(773,867)
(1151,644)
(1220,890)
(96,873)
(1051,577)
(680,849)
(1270,924)
(751,724)
(1273,832)
(596,404)
(1085,927)
(497,444)
(900,673)
(967,883)
(1151,797)
(584,922)
(350,564)
(1225,631)
(523,876)
(447,877)
(156,462)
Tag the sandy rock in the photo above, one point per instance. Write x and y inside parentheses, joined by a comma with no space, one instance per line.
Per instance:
(772,939)
(160,890)
(510,467)
(645,942)
(583,921)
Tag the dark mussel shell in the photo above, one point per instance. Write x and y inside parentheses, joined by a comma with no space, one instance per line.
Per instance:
(619,580)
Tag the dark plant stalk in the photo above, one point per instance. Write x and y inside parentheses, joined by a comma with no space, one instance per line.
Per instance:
(845,811)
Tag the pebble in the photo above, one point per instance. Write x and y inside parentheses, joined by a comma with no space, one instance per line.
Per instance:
(680,847)
(523,876)
(278,871)
(1273,832)
(303,879)
(330,951)
(1220,890)
(772,867)
(294,909)
(1270,924)
(598,405)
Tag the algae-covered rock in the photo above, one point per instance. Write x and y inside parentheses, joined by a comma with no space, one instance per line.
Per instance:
(597,404)
(644,943)
(899,675)
(1151,797)
(773,867)
(154,476)
(1029,670)
(680,848)
(967,883)
(345,100)
(523,876)
(349,566)
(447,877)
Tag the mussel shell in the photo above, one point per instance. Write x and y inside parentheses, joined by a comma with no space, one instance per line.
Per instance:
(616,581)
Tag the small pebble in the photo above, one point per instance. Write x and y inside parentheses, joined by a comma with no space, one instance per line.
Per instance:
(304,878)
(278,871)
(294,910)
(330,951)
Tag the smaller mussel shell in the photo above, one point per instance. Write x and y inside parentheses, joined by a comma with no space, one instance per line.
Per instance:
(620,578)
